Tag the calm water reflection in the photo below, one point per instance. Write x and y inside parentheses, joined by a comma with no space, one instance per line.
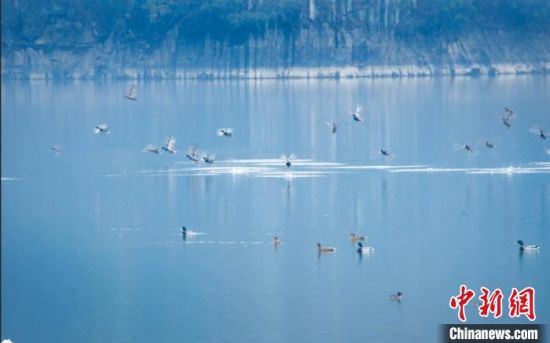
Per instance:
(91,242)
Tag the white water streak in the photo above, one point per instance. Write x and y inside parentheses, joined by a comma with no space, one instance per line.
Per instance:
(304,168)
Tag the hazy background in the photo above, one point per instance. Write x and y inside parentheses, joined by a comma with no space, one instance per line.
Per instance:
(100,39)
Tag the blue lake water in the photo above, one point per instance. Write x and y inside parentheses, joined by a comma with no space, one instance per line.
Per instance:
(91,242)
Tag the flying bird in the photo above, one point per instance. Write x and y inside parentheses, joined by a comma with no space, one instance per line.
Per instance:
(507,117)
(102,128)
(385,153)
(57,149)
(357,114)
(332,126)
(131,94)
(225,132)
(170,145)
(193,154)
(152,149)
(209,158)
(468,147)
(539,132)
(490,145)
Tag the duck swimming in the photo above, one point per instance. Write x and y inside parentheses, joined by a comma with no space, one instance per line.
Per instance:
(396,297)
(321,249)
(188,233)
(356,238)
(523,247)
(489,145)
(364,250)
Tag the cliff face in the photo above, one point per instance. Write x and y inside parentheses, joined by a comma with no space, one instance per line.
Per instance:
(259,38)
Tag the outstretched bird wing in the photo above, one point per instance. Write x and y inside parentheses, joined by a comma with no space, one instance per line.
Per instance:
(170,143)
(508,114)
(535,129)
(133,91)
(150,148)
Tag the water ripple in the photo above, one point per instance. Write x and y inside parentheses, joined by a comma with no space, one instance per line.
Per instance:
(275,168)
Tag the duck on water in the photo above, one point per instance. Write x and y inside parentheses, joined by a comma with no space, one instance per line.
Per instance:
(361,250)
(323,249)
(396,297)
(529,247)
(188,233)
(357,238)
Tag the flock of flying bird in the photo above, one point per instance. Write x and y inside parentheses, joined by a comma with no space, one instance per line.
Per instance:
(507,117)
(194,155)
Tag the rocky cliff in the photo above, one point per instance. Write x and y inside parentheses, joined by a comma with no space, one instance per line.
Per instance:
(60,39)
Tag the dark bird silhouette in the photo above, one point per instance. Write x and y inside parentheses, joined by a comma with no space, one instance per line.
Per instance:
(357,114)
(102,128)
(225,132)
(507,116)
(193,154)
(332,126)
(539,132)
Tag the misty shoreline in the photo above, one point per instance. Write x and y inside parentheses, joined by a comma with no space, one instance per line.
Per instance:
(344,72)
(256,39)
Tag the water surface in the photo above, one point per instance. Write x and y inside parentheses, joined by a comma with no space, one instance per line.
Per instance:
(91,243)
